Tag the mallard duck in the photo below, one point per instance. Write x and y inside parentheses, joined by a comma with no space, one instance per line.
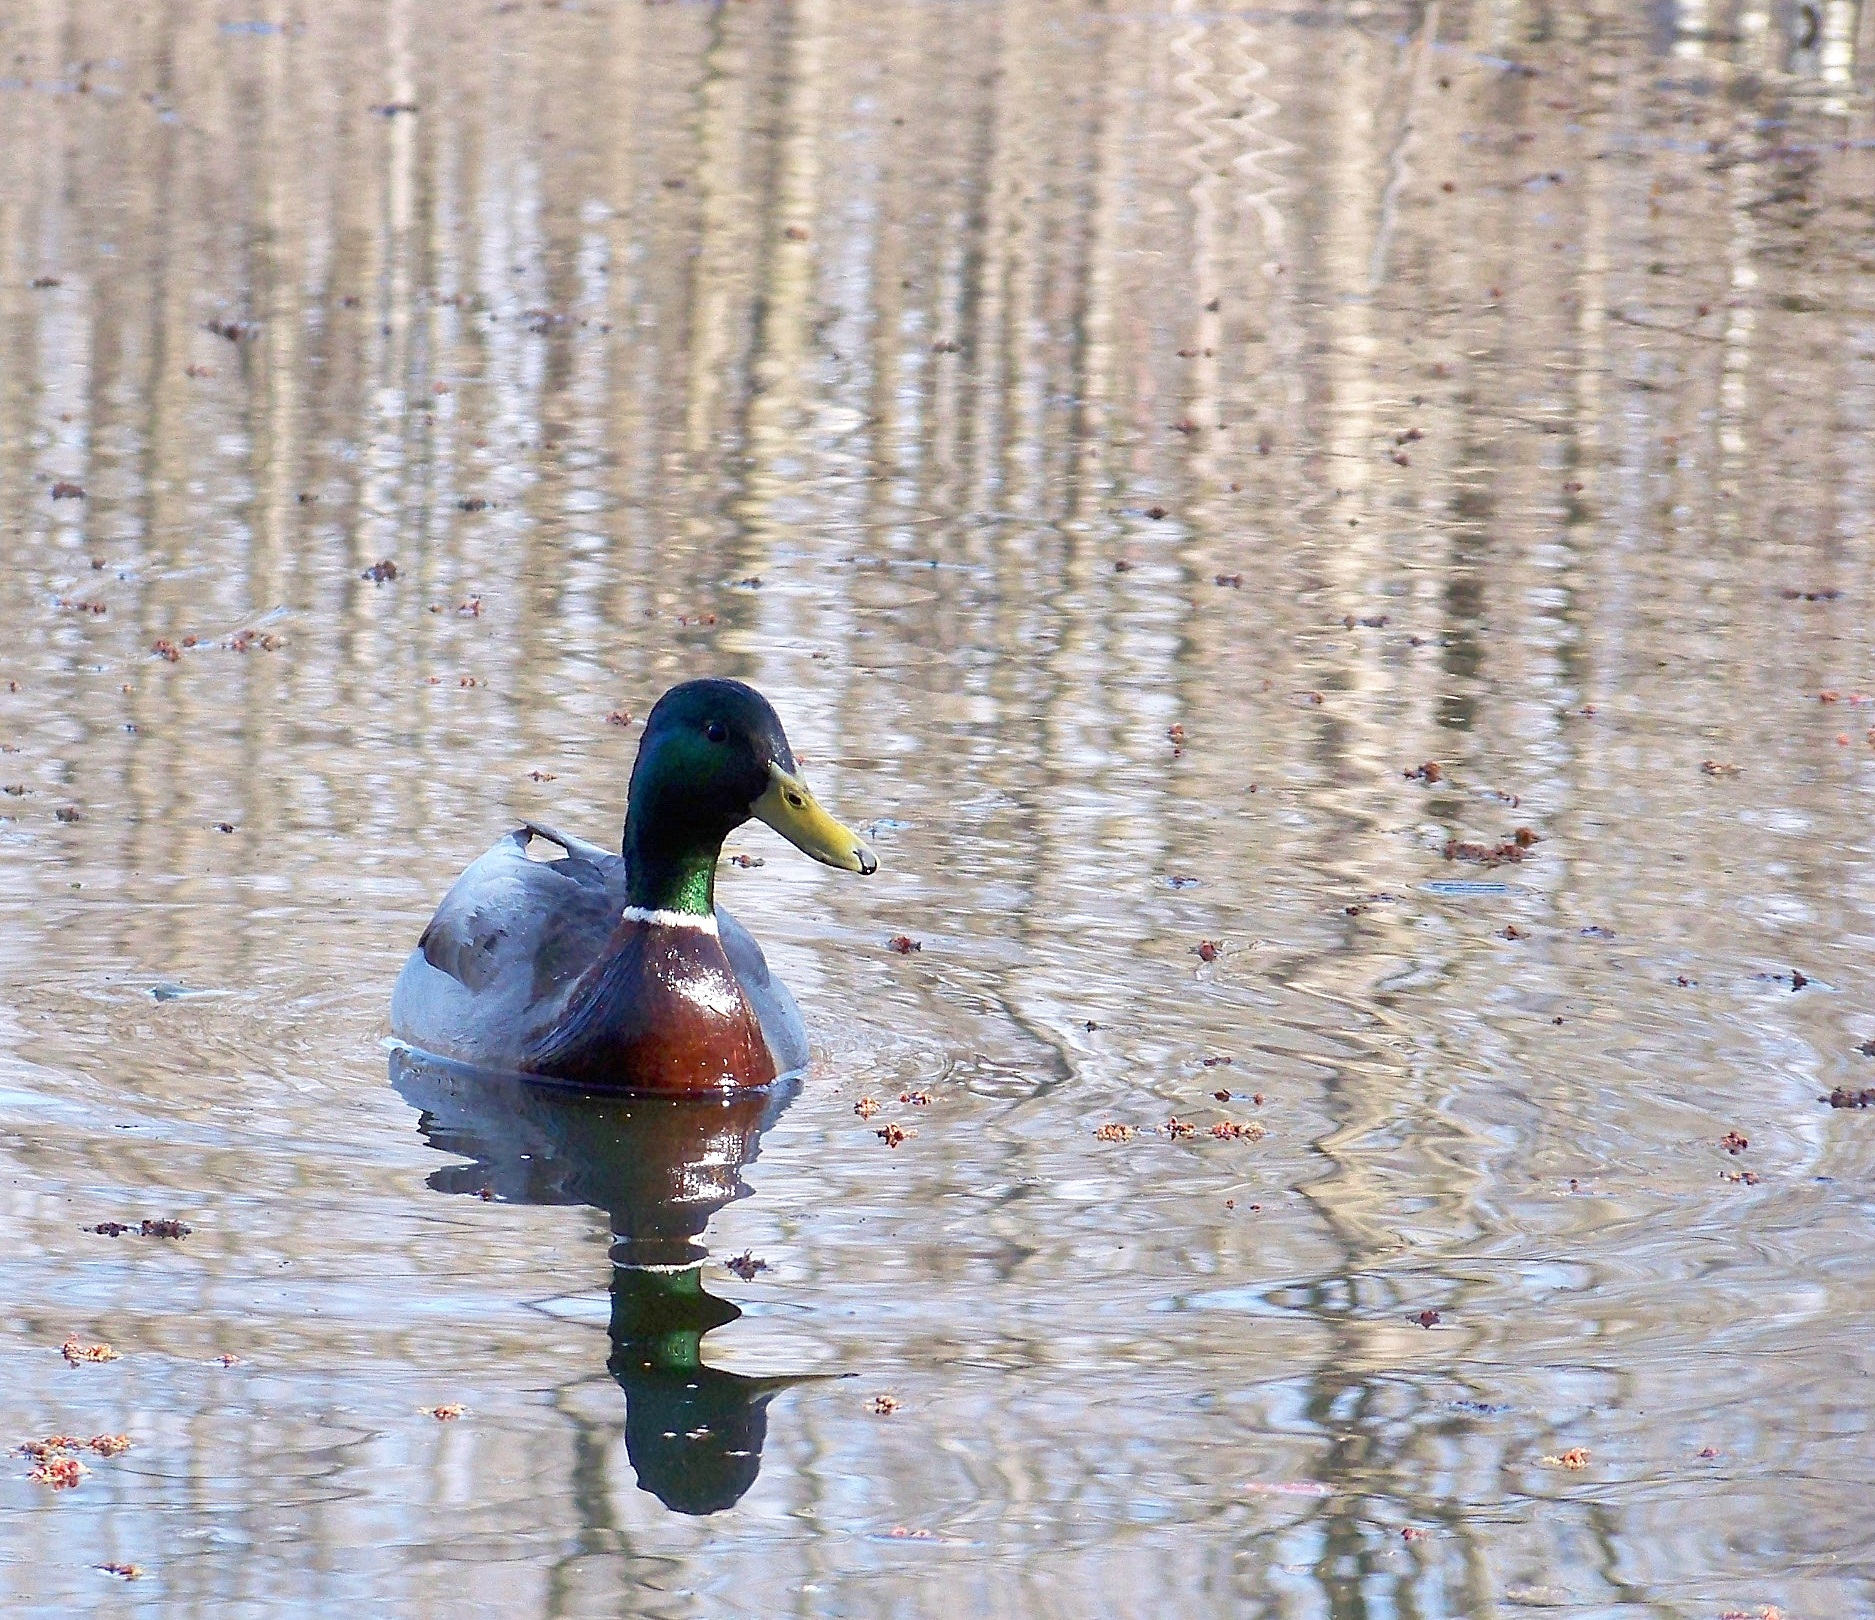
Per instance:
(620,971)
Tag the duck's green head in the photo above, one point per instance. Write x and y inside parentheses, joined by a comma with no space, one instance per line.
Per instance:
(713,756)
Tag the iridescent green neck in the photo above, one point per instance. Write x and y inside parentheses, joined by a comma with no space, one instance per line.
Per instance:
(666,880)
(680,808)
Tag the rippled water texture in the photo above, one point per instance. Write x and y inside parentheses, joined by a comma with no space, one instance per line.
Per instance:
(1127,445)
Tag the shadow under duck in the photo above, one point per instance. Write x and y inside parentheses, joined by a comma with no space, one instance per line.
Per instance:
(620,971)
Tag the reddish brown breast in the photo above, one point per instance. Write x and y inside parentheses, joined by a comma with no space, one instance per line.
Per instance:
(661,1011)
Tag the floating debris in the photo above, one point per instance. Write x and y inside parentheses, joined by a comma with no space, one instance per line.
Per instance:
(448,1413)
(1231,1131)
(76,1353)
(745,1265)
(866,1107)
(380,572)
(1114,1133)
(244,640)
(884,1405)
(1510,851)
(1575,1459)
(892,1135)
(904,944)
(61,1473)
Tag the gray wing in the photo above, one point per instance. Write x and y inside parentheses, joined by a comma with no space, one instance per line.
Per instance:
(508,941)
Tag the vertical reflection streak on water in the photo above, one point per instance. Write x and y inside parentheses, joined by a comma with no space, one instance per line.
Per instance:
(1351,1199)
(592,1448)
(1265,187)
(387,458)
(782,372)
(1058,280)
(726,241)
(985,275)
(1416,70)
(149,280)
(1090,484)
(1071,682)
(276,303)
(628,187)
(1200,405)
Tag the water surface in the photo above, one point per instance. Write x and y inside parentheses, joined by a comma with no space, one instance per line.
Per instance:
(1126,444)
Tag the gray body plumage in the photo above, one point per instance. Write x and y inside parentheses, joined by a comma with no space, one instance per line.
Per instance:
(493,972)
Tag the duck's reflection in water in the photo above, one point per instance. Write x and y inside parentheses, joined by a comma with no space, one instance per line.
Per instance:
(660,1167)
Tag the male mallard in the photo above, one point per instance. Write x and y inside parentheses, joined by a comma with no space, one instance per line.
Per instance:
(621,972)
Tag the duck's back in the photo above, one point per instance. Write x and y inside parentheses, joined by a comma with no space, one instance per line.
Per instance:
(491,976)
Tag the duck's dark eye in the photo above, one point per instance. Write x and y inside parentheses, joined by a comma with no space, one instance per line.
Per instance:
(716,731)
(797,801)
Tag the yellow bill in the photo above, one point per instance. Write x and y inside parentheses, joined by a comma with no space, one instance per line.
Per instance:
(792,811)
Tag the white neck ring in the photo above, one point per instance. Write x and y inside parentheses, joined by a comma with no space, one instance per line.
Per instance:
(670,919)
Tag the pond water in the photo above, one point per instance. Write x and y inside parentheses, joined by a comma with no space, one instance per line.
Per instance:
(1132,448)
